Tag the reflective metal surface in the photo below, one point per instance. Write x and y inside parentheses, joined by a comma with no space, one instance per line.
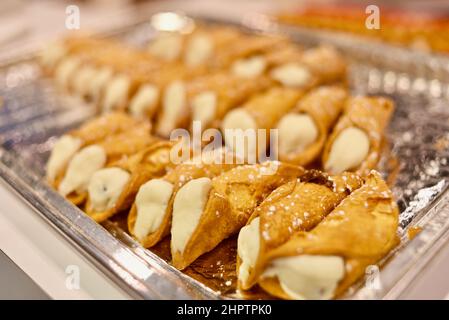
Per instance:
(415,160)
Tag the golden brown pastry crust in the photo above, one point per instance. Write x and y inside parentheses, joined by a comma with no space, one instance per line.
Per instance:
(116,147)
(296,206)
(323,105)
(233,197)
(97,130)
(370,114)
(230,90)
(178,177)
(151,162)
(362,229)
(326,63)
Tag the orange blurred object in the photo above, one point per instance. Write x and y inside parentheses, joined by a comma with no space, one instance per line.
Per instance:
(425,31)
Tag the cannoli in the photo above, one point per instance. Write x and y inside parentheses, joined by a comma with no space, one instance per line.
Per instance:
(241,125)
(174,110)
(86,59)
(324,262)
(225,92)
(114,188)
(85,162)
(167,45)
(207,211)
(196,50)
(304,130)
(247,46)
(316,66)
(261,63)
(193,48)
(150,217)
(52,54)
(210,97)
(298,205)
(362,128)
(89,133)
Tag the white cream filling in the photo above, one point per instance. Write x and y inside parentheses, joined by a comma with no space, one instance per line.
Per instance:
(204,106)
(249,68)
(65,70)
(348,151)
(199,49)
(106,186)
(166,45)
(248,244)
(173,103)
(82,79)
(296,132)
(151,202)
(98,82)
(188,207)
(81,168)
(308,276)
(240,131)
(62,152)
(145,99)
(116,93)
(52,53)
(291,75)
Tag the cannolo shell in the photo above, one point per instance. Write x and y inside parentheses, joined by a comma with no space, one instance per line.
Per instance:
(233,197)
(268,107)
(179,176)
(362,230)
(298,205)
(370,114)
(323,105)
(116,147)
(152,162)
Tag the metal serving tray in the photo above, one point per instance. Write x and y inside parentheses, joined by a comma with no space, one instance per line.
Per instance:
(33,114)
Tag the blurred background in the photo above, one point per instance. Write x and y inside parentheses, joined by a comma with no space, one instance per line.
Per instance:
(420,24)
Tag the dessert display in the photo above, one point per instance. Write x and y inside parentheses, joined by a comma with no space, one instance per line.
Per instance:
(304,225)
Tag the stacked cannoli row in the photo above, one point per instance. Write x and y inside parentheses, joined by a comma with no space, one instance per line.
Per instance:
(201,75)
(324,128)
(295,226)
(118,76)
(301,233)
(313,238)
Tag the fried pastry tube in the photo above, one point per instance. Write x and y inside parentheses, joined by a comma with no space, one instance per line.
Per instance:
(113,189)
(298,205)
(89,64)
(240,126)
(150,218)
(194,47)
(138,90)
(175,97)
(304,130)
(260,63)
(362,128)
(52,54)
(190,55)
(210,97)
(85,162)
(91,132)
(316,66)
(205,211)
(323,263)
(225,92)
(143,91)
